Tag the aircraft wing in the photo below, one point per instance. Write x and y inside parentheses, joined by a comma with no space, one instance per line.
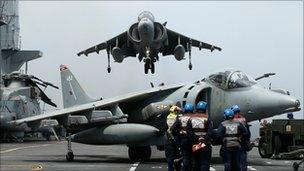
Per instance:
(117,41)
(184,40)
(80,109)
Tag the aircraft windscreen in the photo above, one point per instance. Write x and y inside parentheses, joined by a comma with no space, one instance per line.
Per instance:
(219,79)
(146,14)
(239,79)
(231,79)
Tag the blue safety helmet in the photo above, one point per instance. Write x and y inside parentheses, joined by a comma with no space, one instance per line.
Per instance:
(290,115)
(235,108)
(189,108)
(228,114)
(201,106)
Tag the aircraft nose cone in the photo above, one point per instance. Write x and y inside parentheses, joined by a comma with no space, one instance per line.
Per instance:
(297,103)
(267,103)
(287,102)
(143,25)
(146,32)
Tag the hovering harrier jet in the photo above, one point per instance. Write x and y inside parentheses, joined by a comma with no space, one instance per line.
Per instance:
(147,39)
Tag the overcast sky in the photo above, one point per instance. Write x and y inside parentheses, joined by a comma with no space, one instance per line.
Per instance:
(256,37)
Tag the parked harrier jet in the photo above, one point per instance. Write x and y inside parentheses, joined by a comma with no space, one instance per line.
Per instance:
(139,119)
(148,38)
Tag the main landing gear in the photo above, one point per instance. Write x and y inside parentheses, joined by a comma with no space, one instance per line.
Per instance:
(139,153)
(70,155)
(149,63)
(142,153)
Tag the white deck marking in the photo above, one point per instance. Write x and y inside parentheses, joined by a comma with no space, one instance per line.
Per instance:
(268,162)
(20,148)
(250,168)
(134,166)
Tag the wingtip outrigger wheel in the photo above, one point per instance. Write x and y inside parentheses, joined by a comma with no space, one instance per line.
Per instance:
(109,65)
(189,49)
(190,66)
(70,155)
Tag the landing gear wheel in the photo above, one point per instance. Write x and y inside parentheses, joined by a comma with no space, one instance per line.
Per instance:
(139,153)
(109,69)
(152,68)
(190,66)
(146,68)
(133,154)
(69,156)
(295,166)
(48,137)
(145,153)
(262,149)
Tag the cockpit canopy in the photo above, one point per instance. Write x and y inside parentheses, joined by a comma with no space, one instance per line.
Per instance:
(146,14)
(231,79)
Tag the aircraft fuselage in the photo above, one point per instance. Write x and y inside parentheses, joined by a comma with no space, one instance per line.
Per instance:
(146,32)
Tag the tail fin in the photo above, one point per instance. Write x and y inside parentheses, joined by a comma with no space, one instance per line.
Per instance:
(72,92)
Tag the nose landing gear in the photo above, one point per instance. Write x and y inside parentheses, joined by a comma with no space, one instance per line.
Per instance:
(149,64)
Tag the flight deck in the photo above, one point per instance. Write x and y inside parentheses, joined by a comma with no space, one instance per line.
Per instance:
(49,156)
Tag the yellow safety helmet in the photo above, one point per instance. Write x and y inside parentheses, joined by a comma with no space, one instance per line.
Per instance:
(174,109)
